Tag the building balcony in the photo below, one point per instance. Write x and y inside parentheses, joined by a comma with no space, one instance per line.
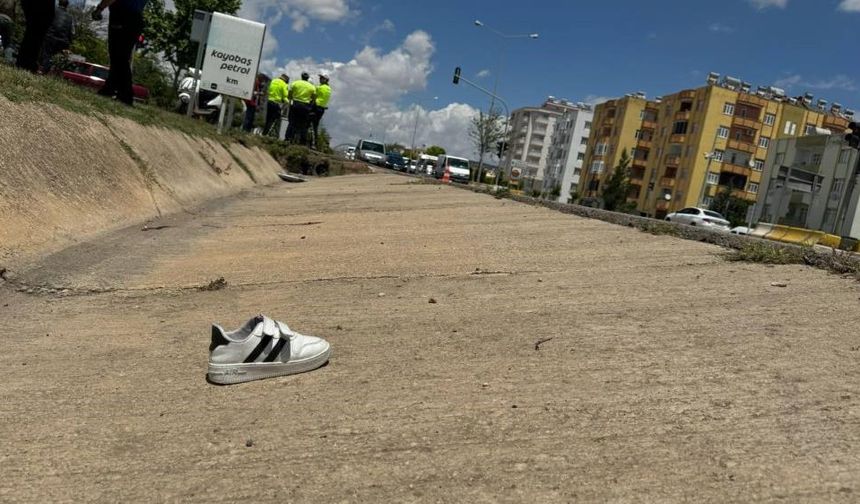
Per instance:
(747,122)
(687,95)
(741,145)
(683,116)
(651,125)
(668,182)
(609,121)
(752,100)
(678,139)
(673,161)
(836,124)
(639,163)
(736,169)
(644,144)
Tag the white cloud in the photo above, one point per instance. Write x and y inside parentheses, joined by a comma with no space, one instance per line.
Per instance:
(483,74)
(850,6)
(596,100)
(366,91)
(720,28)
(764,4)
(301,12)
(385,26)
(840,82)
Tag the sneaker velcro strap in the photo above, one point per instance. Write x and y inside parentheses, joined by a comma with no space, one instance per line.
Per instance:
(270,328)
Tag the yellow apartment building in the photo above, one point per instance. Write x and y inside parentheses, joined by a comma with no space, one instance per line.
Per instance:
(688,146)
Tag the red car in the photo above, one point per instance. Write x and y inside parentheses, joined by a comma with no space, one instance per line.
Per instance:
(94,76)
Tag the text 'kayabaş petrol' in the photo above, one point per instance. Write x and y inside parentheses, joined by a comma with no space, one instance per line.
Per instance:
(242,65)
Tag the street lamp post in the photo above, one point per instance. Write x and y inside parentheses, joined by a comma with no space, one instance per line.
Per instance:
(503,36)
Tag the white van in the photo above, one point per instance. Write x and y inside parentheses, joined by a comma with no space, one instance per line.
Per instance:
(371,152)
(458,168)
(426,164)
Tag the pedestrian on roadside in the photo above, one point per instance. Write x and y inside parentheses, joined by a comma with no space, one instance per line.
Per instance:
(321,99)
(124,29)
(279,91)
(59,36)
(39,14)
(251,105)
(302,95)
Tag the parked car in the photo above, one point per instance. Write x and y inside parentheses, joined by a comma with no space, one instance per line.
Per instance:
(93,76)
(457,167)
(741,230)
(700,217)
(350,153)
(370,152)
(426,164)
(395,161)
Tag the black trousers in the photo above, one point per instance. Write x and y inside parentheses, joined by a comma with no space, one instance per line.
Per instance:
(123,31)
(316,117)
(300,117)
(51,48)
(273,115)
(39,15)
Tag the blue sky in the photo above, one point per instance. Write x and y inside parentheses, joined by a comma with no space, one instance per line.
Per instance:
(586,50)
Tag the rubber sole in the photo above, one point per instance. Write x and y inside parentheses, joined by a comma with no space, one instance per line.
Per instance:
(229,374)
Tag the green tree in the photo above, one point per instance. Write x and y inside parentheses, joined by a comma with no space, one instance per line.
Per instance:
(485,131)
(87,41)
(434,150)
(149,73)
(394,147)
(733,208)
(167,32)
(323,143)
(618,187)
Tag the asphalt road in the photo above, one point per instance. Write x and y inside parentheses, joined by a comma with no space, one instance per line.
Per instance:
(665,374)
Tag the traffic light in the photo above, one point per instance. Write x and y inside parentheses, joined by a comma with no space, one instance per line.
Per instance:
(457,75)
(853,138)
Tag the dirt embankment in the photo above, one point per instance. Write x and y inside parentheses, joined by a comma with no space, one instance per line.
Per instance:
(65,177)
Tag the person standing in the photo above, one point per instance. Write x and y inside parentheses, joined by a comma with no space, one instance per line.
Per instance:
(251,105)
(302,94)
(59,36)
(322,97)
(124,29)
(279,91)
(39,14)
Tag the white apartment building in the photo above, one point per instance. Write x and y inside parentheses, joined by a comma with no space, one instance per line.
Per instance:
(567,152)
(811,182)
(530,140)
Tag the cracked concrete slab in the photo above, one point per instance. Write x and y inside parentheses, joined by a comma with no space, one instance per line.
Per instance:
(484,351)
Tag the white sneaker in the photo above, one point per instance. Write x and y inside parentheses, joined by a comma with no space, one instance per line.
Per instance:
(262,348)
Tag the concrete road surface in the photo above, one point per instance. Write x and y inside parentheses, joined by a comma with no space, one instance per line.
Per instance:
(667,374)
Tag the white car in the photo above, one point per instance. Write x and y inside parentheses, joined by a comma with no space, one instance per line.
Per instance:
(700,217)
(741,230)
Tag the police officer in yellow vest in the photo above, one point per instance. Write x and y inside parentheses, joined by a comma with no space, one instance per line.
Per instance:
(323,96)
(279,90)
(302,94)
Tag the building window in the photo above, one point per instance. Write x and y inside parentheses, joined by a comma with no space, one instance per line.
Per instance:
(583,141)
(587,125)
(642,115)
(722,132)
(758,165)
(810,129)
(708,201)
(764,142)
(838,184)
(713,178)
(638,135)
(780,157)
(729,109)
(580,156)
(816,158)
(843,156)
(769,119)
(790,128)
(752,188)
(718,155)
(597,167)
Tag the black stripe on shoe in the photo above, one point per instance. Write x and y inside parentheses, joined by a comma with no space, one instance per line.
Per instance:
(276,351)
(264,342)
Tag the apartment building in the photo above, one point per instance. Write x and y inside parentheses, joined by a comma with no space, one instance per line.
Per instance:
(567,152)
(811,182)
(530,140)
(688,146)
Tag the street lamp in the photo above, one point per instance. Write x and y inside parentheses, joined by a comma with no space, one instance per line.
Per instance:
(503,36)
